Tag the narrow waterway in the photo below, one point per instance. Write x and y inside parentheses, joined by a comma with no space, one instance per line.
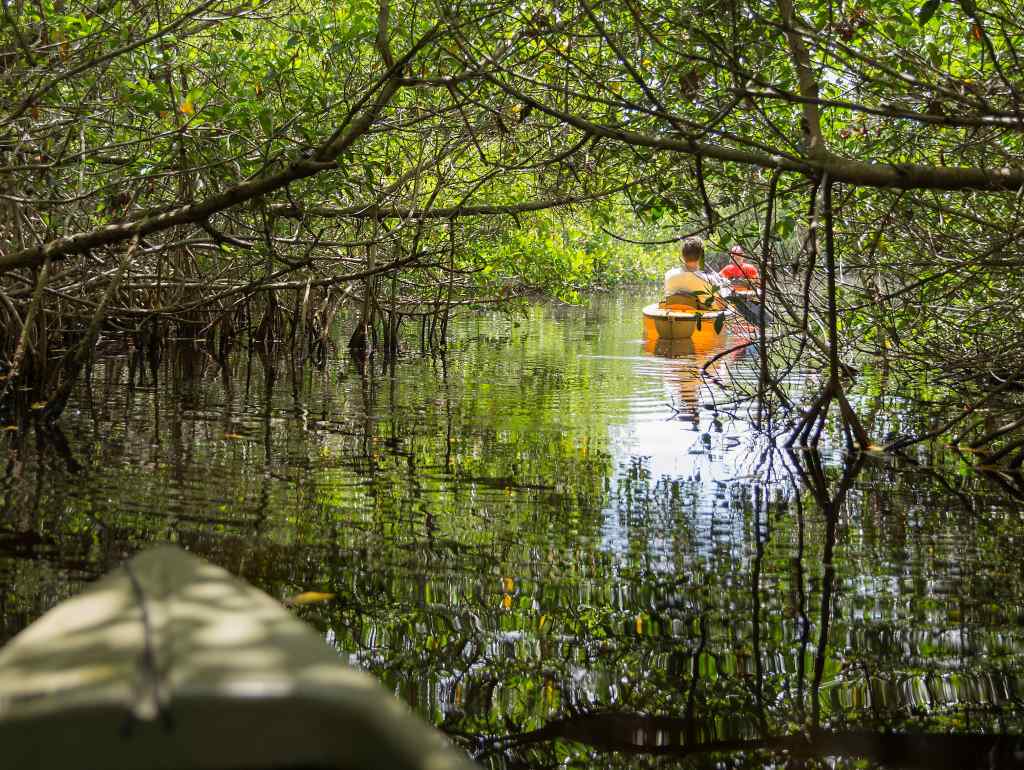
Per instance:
(561,547)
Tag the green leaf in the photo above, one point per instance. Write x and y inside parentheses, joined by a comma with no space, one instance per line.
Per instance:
(699,319)
(719,323)
(928,11)
(785,227)
(266,121)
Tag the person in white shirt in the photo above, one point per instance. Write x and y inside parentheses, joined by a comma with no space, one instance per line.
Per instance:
(689,286)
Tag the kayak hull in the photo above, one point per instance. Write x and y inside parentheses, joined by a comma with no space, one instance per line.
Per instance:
(748,303)
(679,324)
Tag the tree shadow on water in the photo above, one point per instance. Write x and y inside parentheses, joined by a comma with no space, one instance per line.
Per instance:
(794,703)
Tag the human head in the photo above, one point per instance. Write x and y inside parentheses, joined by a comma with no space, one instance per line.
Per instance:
(693,250)
(737,254)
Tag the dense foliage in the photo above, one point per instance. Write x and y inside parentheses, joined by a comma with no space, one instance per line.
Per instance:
(209,169)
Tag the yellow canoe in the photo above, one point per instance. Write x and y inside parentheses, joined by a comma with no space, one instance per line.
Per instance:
(682,324)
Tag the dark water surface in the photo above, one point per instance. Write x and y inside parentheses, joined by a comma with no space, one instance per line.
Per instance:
(561,550)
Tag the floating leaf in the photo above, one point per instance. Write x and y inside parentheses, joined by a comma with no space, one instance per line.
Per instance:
(39,405)
(233,435)
(310,597)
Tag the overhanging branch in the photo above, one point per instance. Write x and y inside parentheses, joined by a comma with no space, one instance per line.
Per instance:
(323,158)
(905,176)
(373,211)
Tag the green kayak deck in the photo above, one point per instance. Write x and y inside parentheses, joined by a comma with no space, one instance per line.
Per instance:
(171,662)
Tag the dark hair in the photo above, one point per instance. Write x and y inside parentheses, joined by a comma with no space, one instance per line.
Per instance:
(693,248)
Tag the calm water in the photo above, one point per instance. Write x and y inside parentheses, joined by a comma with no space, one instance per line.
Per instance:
(561,549)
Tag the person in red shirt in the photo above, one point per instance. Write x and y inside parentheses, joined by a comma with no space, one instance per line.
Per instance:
(739,272)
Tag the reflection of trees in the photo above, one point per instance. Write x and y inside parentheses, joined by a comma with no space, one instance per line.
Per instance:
(631,662)
(696,357)
(270,471)
(525,631)
(464,543)
(633,734)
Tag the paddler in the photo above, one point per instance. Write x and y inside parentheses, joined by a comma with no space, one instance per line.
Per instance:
(740,273)
(688,286)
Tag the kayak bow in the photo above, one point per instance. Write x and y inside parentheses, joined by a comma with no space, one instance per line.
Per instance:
(171,662)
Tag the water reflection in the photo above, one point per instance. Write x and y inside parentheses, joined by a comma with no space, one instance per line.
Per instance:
(559,546)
